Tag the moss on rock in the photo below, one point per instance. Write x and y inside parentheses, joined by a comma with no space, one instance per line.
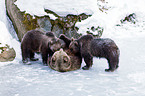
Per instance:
(29,22)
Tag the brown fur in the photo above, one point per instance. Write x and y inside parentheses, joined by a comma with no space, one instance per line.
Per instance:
(89,47)
(65,60)
(37,41)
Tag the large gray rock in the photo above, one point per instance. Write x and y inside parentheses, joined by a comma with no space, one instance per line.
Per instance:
(24,22)
(7,53)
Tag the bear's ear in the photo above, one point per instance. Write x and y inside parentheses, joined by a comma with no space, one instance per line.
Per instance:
(72,39)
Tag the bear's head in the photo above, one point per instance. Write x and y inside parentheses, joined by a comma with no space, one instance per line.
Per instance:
(74,46)
(55,44)
(62,61)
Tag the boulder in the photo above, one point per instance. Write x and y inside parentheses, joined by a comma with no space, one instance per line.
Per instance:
(6,53)
(24,22)
(96,32)
(130,18)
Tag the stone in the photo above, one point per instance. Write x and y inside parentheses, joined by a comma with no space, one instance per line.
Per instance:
(130,18)
(7,53)
(24,22)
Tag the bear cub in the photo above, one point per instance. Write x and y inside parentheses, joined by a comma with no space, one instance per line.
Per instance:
(37,41)
(88,47)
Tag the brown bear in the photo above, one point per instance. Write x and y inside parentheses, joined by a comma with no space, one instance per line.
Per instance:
(37,41)
(64,60)
(88,47)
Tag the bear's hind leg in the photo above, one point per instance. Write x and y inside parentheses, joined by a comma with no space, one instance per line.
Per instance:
(113,64)
(32,58)
(113,59)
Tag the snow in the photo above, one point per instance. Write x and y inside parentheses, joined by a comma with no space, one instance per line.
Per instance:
(6,38)
(62,7)
(117,10)
(18,79)
(7,34)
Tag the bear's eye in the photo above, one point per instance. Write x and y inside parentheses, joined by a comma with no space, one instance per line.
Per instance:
(71,49)
(50,44)
(66,62)
(53,65)
(53,60)
(65,59)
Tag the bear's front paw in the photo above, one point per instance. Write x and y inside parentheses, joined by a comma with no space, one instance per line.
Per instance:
(109,70)
(25,61)
(85,68)
(34,59)
(45,64)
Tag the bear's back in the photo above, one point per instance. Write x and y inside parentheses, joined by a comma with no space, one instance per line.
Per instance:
(102,46)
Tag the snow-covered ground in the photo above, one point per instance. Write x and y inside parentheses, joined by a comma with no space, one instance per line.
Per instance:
(17,79)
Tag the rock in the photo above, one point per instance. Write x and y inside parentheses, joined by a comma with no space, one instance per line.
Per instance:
(16,17)
(24,22)
(6,53)
(130,18)
(44,23)
(96,32)
(103,6)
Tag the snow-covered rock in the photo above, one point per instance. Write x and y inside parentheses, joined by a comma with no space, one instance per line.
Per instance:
(6,53)
(50,21)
